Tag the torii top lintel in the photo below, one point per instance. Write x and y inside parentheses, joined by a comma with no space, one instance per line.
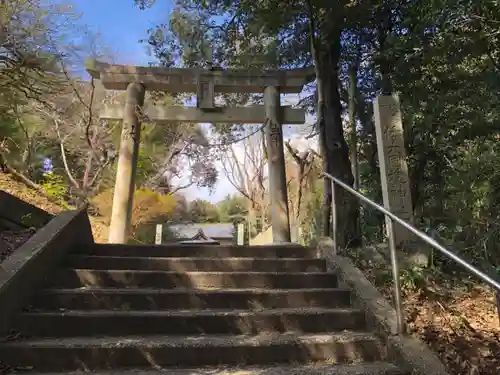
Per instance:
(118,77)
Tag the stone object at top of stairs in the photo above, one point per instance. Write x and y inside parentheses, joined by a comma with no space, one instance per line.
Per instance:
(188,309)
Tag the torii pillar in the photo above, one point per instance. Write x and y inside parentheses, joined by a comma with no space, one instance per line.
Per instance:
(280,219)
(205,82)
(121,213)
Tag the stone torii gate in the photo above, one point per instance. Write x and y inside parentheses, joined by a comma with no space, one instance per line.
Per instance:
(205,83)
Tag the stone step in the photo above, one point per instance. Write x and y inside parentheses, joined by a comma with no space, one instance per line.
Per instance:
(188,322)
(151,352)
(197,251)
(75,278)
(169,299)
(372,368)
(195,264)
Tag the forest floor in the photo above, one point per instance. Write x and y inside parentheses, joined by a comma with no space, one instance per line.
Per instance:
(11,240)
(457,318)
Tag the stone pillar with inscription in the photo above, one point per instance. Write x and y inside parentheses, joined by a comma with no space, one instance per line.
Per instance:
(392,160)
(241,234)
(159,234)
(276,160)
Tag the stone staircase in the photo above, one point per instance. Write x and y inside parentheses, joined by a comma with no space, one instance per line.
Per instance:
(195,310)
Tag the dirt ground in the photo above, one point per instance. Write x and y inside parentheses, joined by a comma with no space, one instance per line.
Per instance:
(458,320)
(462,326)
(21,191)
(11,240)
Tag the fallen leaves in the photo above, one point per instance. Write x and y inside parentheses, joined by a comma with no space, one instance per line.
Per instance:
(457,320)
(11,240)
(21,191)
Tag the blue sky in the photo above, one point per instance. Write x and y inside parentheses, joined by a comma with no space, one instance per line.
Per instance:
(121,25)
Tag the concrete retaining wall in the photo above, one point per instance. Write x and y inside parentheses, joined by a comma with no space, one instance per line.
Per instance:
(17,214)
(26,270)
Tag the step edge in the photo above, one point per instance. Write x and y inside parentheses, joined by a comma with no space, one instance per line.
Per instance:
(228,291)
(188,341)
(192,312)
(65,269)
(85,256)
(367,368)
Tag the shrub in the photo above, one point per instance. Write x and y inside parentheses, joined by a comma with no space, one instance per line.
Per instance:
(148,209)
(54,185)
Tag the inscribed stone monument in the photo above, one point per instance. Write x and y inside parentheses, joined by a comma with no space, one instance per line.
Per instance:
(159,234)
(392,160)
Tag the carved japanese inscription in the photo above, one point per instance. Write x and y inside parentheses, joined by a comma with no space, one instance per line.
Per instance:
(276,135)
(392,160)
(205,93)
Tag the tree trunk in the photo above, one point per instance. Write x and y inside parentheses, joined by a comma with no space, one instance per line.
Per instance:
(353,77)
(370,150)
(353,81)
(334,147)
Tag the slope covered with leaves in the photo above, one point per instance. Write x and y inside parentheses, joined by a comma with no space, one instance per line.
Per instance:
(21,191)
(454,315)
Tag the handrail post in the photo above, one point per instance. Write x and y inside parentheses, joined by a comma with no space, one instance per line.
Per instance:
(395,275)
(334,218)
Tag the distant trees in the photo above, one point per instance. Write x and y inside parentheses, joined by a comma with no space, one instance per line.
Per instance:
(202,211)
(441,58)
(232,209)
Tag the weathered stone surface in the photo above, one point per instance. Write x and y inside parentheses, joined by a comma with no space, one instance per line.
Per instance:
(240,232)
(189,322)
(98,353)
(205,98)
(280,219)
(233,115)
(375,368)
(15,213)
(380,313)
(76,278)
(411,355)
(179,299)
(159,234)
(415,356)
(189,251)
(123,196)
(149,321)
(392,160)
(118,77)
(28,267)
(195,264)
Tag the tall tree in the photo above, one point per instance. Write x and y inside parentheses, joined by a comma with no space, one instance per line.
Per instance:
(254,34)
(440,57)
(244,164)
(202,211)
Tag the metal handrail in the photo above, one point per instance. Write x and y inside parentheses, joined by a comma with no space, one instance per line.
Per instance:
(392,245)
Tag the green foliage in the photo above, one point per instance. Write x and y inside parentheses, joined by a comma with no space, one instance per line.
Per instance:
(145,165)
(28,52)
(202,211)
(232,209)
(55,186)
(312,223)
(414,278)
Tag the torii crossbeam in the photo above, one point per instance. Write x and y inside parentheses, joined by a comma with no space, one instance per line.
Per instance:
(204,83)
